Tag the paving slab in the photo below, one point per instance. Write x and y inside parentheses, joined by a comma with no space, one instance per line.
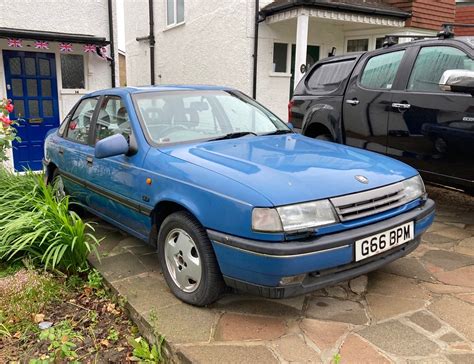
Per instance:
(393,285)
(455,232)
(463,277)
(461,358)
(120,266)
(447,260)
(356,350)
(410,268)
(324,334)
(451,337)
(456,313)
(466,246)
(294,349)
(327,308)
(228,354)
(398,339)
(257,306)
(238,327)
(383,307)
(425,321)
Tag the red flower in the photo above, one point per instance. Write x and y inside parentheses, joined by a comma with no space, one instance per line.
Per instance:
(10,107)
(6,122)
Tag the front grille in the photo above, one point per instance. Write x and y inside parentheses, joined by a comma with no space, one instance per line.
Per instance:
(368,203)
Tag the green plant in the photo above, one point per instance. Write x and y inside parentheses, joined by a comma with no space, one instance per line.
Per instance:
(113,335)
(94,279)
(7,131)
(336,358)
(146,353)
(61,339)
(35,223)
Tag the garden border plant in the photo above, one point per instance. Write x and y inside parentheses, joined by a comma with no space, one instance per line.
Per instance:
(7,130)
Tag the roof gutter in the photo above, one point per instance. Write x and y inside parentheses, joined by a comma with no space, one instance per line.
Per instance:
(270,10)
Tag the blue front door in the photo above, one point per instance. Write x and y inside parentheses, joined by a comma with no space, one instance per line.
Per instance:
(32,87)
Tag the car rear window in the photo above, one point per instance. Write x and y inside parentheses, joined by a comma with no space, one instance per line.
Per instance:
(327,77)
(380,71)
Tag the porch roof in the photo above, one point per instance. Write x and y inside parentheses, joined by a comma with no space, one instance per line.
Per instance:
(52,36)
(353,6)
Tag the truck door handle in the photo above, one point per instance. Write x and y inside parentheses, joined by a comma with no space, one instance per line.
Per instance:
(401,106)
(353,102)
(90,161)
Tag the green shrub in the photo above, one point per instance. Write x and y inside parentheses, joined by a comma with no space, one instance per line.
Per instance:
(36,223)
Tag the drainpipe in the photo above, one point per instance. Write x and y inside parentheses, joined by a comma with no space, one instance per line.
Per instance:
(112,46)
(152,41)
(255,48)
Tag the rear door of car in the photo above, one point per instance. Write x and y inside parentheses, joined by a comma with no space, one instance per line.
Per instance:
(368,99)
(118,184)
(316,105)
(431,129)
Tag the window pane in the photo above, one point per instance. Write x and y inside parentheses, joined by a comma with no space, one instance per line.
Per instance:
(357,45)
(32,87)
(379,42)
(380,71)
(33,108)
(30,66)
(46,88)
(329,76)
(431,64)
(72,71)
(79,125)
(15,66)
(180,11)
(19,109)
(47,108)
(112,119)
(44,67)
(280,54)
(17,87)
(170,12)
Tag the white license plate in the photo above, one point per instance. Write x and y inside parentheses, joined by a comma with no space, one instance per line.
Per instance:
(379,243)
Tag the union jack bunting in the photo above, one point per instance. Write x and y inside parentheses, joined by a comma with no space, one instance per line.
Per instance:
(89,48)
(15,43)
(103,52)
(65,47)
(39,44)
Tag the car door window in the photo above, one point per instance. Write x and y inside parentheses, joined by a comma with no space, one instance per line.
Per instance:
(328,77)
(431,64)
(80,122)
(380,71)
(112,118)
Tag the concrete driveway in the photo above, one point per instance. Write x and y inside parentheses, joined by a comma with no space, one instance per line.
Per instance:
(419,309)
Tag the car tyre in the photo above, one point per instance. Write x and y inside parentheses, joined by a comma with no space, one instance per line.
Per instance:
(188,261)
(57,182)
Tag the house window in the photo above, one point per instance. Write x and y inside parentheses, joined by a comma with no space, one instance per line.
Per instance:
(72,71)
(357,45)
(174,12)
(280,57)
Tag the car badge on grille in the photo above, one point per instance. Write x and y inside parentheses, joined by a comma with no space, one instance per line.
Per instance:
(362,179)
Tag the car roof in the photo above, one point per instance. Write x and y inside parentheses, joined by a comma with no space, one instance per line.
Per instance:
(159,88)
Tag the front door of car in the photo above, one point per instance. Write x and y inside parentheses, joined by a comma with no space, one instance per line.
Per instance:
(431,129)
(118,184)
(73,157)
(368,99)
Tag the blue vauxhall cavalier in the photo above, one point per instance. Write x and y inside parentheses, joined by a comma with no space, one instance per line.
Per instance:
(230,195)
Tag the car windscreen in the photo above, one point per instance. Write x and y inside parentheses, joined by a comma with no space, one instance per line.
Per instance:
(186,116)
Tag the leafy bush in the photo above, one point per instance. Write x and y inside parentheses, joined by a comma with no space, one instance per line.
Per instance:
(36,222)
(7,131)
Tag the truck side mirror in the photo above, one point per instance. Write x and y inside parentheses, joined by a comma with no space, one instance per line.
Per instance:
(457,81)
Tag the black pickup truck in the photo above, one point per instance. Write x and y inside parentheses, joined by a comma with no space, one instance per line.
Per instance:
(399,101)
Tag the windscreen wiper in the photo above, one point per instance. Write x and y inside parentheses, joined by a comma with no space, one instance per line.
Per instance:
(237,134)
(280,131)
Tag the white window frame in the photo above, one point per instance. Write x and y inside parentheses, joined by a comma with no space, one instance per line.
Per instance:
(175,12)
(59,73)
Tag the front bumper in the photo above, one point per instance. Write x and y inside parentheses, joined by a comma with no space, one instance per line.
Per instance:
(258,266)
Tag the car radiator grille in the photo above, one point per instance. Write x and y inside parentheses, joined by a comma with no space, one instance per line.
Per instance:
(368,203)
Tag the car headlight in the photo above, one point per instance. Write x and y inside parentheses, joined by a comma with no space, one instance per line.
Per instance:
(293,217)
(413,188)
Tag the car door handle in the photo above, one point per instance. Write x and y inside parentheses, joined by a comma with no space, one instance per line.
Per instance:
(90,161)
(401,106)
(353,102)
(61,151)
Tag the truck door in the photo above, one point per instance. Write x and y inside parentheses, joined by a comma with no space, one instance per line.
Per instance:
(368,100)
(431,129)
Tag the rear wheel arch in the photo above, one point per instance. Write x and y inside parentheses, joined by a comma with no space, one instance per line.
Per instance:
(319,130)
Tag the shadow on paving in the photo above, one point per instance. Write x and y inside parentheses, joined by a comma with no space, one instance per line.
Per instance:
(417,309)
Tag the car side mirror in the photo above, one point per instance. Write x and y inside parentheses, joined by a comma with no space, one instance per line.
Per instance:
(111,146)
(290,125)
(457,81)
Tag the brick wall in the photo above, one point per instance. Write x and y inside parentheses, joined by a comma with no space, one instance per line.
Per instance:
(464,14)
(427,14)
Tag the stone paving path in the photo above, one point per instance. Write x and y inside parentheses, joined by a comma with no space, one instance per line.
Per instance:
(419,309)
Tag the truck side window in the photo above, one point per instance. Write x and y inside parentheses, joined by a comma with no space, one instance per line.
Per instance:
(329,76)
(431,64)
(380,71)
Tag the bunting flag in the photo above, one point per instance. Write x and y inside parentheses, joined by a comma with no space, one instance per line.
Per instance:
(103,52)
(39,44)
(89,48)
(65,47)
(15,43)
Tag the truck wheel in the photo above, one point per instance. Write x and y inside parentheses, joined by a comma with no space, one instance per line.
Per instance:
(188,261)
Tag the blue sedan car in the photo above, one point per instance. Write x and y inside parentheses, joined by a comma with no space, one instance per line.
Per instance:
(230,195)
